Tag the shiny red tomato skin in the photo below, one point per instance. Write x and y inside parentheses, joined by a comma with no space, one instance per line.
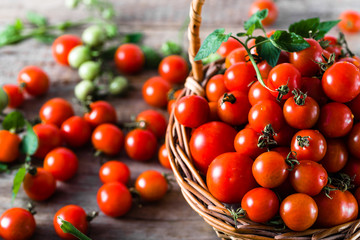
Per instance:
(17,224)
(260,204)
(341,208)
(62,46)
(352,168)
(108,139)
(264,68)
(114,171)
(215,88)
(140,145)
(336,155)
(229,177)
(155,122)
(258,92)
(155,91)
(62,163)
(334,46)
(35,79)
(15,95)
(100,112)
(350,21)
(9,146)
(151,185)
(228,46)
(74,214)
(246,141)
(353,142)
(210,140)
(76,131)
(336,120)
(235,56)
(192,111)
(340,78)
(174,69)
(298,211)
(239,76)
(49,137)
(316,149)
(56,111)
(234,112)
(114,199)
(265,4)
(40,186)
(164,157)
(313,88)
(129,58)
(213,116)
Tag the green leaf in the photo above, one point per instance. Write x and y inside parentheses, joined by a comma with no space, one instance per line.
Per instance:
(18,179)
(4,167)
(133,37)
(170,48)
(212,43)
(67,227)
(14,121)
(12,33)
(267,51)
(254,22)
(290,42)
(36,19)
(152,57)
(241,34)
(46,38)
(325,27)
(305,28)
(18,25)
(30,142)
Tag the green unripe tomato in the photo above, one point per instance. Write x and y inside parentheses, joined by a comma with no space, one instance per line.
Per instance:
(71,3)
(89,70)
(84,89)
(171,48)
(118,85)
(93,36)
(78,55)
(3,99)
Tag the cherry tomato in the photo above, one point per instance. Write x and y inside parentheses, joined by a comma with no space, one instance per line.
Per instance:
(352,168)
(192,111)
(35,80)
(260,204)
(265,4)
(284,135)
(215,88)
(213,116)
(334,46)
(353,142)
(74,214)
(108,139)
(114,199)
(62,163)
(56,111)
(246,142)
(235,56)
(266,112)
(229,177)
(15,95)
(228,46)
(101,112)
(233,108)
(350,21)
(62,46)
(39,186)
(17,224)
(354,106)
(155,91)
(49,137)
(210,140)
(174,69)
(258,92)
(164,157)
(239,77)
(9,146)
(336,155)
(299,211)
(114,171)
(340,208)
(313,88)
(76,131)
(264,69)
(129,58)
(336,120)
(151,185)
(140,144)
(155,122)
(352,60)
(340,78)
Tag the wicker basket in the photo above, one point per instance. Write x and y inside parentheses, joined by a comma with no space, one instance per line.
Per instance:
(192,184)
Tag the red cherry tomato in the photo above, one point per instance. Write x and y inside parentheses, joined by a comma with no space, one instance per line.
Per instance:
(76,131)
(39,186)
(114,171)
(140,144)
(235,56)
(354,140)
(258,93)
(213,116)
(260,204)
(151,185)
(264,69)
(15,95)
(192,111)
(62,46)
(9,146)
(229,177)
(299,211)
(284,135)
(246,142)
(155,122)
(129,58)
(313,88)
(56,111)
(215,88)
(334,46)
(62,163)
(108,139)
(265,4)
(336,155)
(49,137)
(210,140)
(350,21)
(164,157)
(352,60)
(17,224)
(174,69)
(114,199)
(35,80)
(228,46)
(354,106)
(155,91)
(239,77)
(233,108)
(74,214)
(100,112)
(352,168)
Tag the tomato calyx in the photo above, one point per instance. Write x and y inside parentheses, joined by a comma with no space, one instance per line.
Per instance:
(327,63)
(32,170)
(303,141)
(299,97)
(228,97)
(291,160)
(237,213)
(283,90)
(31,208)
(91,215)
(267,137)
(338,181)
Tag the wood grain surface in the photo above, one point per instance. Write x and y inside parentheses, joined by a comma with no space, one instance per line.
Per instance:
(160,20)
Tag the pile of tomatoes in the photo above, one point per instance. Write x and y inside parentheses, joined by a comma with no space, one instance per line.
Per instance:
(280,156)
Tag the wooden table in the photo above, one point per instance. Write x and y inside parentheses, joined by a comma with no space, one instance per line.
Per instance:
(170,218)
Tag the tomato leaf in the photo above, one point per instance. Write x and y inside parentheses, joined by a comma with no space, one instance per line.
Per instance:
(14,121)
(288,41)
(36,19)
(18,179)
(267,51)
(306,27)
(152,57)
(133,37)
(12,33)
(67,227)
(30,142)
(212,43)
(241,34)
(325,27)
(254,22)
(46,38)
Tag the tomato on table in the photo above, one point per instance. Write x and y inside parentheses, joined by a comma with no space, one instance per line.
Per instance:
(114,171)
(163,157)
(62,163)
(174,69)
(154,121)
(15,95)
(49,137)
(33,80)
(265,4)
(108,139)
(75,131)
(140,144)
(62,46)
(100,112)
(39,185)
(350,21)
(9,146)
(129,58)
(17,224)
(151,185)
(155,91)
(56,111)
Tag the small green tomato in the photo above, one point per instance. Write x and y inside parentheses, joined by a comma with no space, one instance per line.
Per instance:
(78,55)
(89,70)
(3,99)
(84,89)
(118,85)
(93,36)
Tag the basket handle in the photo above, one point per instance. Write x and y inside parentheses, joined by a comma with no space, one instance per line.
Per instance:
(194,38)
